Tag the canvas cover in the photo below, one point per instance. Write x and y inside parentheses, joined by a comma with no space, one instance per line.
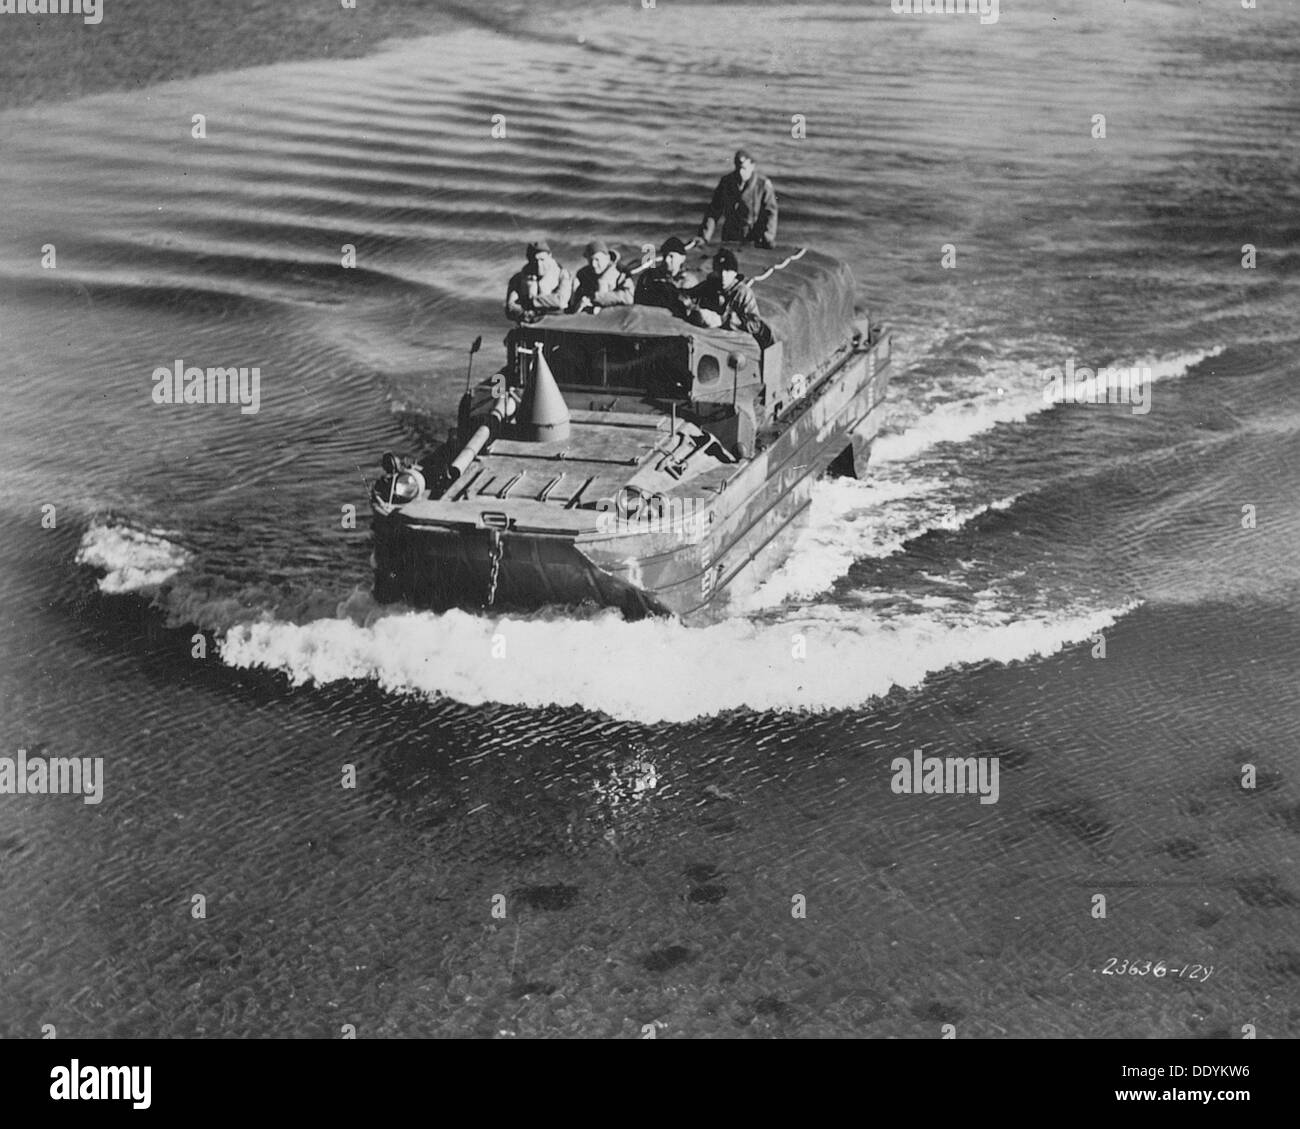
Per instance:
(808,302)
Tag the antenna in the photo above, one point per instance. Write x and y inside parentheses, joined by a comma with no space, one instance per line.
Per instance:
(474,348)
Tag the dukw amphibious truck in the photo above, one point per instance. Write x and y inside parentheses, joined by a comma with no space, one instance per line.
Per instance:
(632,459)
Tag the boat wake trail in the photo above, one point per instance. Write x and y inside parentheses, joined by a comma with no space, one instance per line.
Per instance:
(653,670)
(905,495)
(1009,392)
(851,521)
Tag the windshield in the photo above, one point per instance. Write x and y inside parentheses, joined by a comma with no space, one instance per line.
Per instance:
(654,365)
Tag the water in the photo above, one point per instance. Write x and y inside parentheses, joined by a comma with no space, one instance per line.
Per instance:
(649,798)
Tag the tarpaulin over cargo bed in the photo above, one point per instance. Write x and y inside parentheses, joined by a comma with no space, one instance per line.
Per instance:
(807,299)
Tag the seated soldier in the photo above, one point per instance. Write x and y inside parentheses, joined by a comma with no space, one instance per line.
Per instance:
(664,284)
(725,301)
(602,282)
(541,287)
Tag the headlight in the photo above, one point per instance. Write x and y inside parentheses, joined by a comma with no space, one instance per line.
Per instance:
(408,486)
(400,488)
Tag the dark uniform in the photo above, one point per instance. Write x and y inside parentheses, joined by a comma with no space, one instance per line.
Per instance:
(746,208)
(656,287)
(659,286)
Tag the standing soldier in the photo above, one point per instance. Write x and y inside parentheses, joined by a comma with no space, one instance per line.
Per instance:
(746,204)
(541,287)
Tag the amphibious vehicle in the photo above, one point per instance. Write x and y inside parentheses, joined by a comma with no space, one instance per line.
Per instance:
(632,459)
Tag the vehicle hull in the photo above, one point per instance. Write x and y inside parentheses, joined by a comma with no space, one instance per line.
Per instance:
(691,558)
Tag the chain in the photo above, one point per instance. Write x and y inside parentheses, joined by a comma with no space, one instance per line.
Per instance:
(494,557)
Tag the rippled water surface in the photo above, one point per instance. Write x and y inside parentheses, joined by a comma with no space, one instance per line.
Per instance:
(653,801)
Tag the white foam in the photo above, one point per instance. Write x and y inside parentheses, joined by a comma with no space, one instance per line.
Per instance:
(132,559)
(1095,389)
(957,422)
(652,670)
(1009,393)
(854,520)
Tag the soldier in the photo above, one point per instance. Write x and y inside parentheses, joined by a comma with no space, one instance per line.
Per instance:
(725,301)
(541,287)
(746,204)
(602,282)
(664,284)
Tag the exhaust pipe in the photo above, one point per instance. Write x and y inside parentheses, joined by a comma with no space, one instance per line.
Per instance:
(548,418)
(502,410)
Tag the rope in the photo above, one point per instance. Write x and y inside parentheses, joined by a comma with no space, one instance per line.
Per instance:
(779,266)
